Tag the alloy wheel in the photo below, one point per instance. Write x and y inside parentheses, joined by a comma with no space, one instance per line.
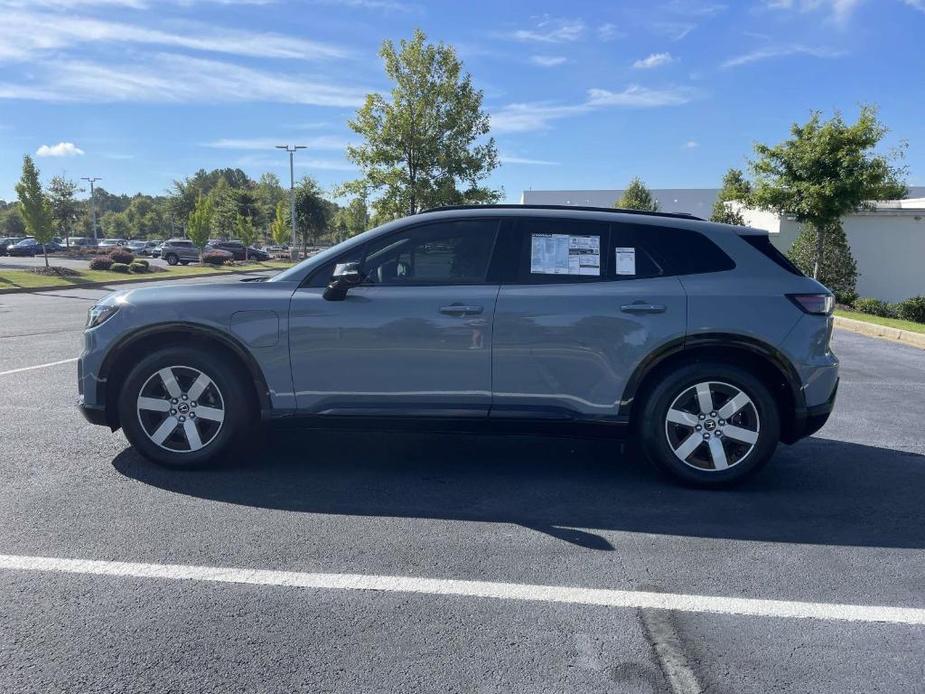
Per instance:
(180,409)
(712,426)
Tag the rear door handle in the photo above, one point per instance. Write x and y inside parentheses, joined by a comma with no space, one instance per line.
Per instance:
(642,307)
(461,310)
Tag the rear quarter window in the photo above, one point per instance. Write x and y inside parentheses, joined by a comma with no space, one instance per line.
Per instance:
(674,250)
(763,244)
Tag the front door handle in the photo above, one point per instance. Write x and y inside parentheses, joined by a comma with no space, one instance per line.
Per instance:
(461,310)
(642,307)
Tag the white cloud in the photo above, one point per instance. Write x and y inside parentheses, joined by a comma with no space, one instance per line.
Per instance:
(780,52)
(691,144)
(62,149)
(130,4)
(22,34)
(840,10)
(654,60)
(301,162)
(325,142)
(609,32)
(917,4)
(674,30)
(547,60)
(507,159)
(551,30)
(368,4)
(526,117)
(170,78)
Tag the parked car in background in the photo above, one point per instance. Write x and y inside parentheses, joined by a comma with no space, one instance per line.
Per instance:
(141,247)
(183,251)
(700,340)
(81,242)
(112,243)
(156,251)
(7,242)
(254,253)
(30,247)
(237,249)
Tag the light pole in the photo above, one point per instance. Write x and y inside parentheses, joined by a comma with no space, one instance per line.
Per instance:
(293,253)
(91,181)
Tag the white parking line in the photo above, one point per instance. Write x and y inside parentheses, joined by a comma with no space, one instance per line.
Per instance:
(474,589)
(38,366)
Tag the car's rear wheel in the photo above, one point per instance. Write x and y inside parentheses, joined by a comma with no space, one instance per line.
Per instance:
(709,424)
(183,407)
(171,259)
(184,262)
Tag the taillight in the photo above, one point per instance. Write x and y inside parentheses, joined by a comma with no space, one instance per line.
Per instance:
(817,304)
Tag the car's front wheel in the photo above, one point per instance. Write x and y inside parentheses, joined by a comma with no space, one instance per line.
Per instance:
(183,407)
(709,424)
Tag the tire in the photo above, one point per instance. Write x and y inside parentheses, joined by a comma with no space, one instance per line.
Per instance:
(163,420)
(709,448)
(171,259)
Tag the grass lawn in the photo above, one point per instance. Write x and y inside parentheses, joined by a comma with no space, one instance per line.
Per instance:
(889,322)
(24,279)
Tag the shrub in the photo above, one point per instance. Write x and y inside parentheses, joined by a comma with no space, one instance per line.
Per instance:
(839,271)
(137,267)
(912,309)
(122,256)
(100,264)
(875,307)
(142,262)
(119,267)
(846,299)
(213,258)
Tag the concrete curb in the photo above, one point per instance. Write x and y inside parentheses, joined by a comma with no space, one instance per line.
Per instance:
(884,332)
(153,278)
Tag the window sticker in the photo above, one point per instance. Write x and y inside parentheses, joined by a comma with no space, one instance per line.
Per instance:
(626,261)
(564,254)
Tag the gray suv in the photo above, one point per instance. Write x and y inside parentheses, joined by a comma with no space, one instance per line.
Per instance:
(699,338)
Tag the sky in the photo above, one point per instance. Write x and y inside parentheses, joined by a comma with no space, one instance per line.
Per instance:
(582,94)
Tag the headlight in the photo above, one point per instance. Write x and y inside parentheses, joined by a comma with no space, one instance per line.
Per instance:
(100,313)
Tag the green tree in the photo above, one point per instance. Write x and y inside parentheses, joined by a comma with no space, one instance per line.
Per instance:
(826,170)
(199,224)
(145,216)
(425,146)
(34,205)
(225,208)
(12,223)
(637,197)
(311,210)
(244,229)
(65,209)
(279,227)
(269,194)
(736,188)
(116,225)
(356,216)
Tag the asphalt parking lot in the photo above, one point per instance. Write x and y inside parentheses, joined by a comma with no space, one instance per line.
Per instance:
(358,520)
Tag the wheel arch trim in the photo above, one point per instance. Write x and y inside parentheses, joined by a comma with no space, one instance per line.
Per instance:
(744,343)
(261,388)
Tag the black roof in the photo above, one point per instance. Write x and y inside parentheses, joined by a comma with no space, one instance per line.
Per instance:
(620,210)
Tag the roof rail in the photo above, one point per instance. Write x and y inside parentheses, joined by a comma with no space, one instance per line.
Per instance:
(582,208)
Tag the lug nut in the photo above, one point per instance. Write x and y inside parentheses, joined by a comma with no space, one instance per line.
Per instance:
(722,422)
(192,415)
(705,434)
(182,418)
(712,414)
(174,401)
(183,396)
(173,412)
(193,403)
(702,416)
(698,427)
(718,434)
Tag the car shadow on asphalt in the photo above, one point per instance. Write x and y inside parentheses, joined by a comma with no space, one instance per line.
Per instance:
(819,491)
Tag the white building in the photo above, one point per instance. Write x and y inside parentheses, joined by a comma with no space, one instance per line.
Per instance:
(888,242)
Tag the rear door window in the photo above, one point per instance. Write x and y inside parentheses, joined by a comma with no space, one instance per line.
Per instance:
(561,250)
(660,250)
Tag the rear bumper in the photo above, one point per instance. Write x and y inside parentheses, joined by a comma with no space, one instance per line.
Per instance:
(94,415)
(809,420)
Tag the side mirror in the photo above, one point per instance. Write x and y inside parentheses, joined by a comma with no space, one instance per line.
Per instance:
(345,276)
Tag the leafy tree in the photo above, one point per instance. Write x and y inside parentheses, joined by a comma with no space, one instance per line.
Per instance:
(34,205)
(65,209)
(280,228)
(425,146)
(145,216)
(244,229)
(736,188)
(269,194)
(116,225)
(356,216)
(637,197)
(225,208)
(311,209)
(838,270)
(826,170)
(199,224)
(12,223)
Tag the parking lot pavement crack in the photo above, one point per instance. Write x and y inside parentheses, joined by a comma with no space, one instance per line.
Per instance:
(661,634)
